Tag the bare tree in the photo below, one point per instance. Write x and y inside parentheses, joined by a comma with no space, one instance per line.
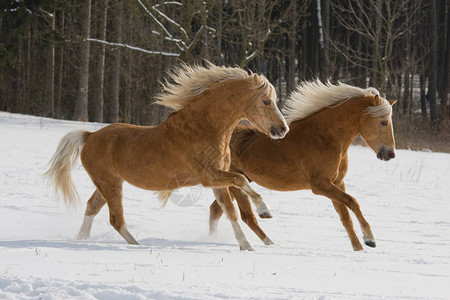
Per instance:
(380,24)
(114,85)
(99,73)
(81,113)
(432,69)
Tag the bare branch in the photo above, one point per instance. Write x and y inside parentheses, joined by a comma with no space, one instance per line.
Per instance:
(133,48)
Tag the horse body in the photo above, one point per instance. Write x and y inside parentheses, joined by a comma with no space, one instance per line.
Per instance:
(313,155)
(191,146)
(134,153)
(301,156)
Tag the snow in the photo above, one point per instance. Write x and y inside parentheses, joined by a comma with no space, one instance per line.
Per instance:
(405,200)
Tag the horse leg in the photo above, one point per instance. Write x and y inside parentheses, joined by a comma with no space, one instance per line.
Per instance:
(94,205)
(346,220)
(215,212)
(112,193)
(247,214)
(219,178)
(328,189)
(224,199)
(261,207)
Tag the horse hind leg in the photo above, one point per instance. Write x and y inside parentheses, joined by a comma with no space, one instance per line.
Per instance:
(112,193)
(247,215)
(93,207)
(215,212)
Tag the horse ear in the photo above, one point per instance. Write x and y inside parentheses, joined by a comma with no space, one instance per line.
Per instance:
(376,100)
(392,102)
(255,77)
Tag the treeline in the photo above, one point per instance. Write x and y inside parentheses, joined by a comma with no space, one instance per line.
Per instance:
(102,60)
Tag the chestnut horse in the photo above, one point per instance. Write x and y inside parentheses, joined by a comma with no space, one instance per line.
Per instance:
(324,119)
(190,147)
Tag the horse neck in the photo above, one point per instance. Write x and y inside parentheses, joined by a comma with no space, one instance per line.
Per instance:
(340,123)
(215,113)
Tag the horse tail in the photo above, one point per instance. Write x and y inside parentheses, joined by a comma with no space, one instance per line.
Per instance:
(62,163)
(163,197)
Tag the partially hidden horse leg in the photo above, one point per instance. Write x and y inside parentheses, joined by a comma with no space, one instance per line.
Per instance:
(215,212)
(226,203)
(247,214)
(94,205)
(328,189)
(112,193)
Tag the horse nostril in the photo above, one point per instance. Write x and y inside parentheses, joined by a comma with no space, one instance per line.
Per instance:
(273,131)
(391,154)
(283,129)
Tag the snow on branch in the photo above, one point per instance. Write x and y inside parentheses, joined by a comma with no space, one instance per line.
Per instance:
(160,25)
(170,20)
(134,48)
(181,43)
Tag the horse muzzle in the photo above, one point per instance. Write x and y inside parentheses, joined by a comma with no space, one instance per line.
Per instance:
(278,132)
(385,154)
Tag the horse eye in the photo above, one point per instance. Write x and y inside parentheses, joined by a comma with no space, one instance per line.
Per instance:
(267,102)
(384,123)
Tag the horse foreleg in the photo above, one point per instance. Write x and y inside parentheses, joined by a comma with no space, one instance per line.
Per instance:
(330,190)
(261,207)
(219,178)
(224,199)
(346,220)
(94,205)
(247,214)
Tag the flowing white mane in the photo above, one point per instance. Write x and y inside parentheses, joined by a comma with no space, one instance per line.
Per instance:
(312,96)
(191,81)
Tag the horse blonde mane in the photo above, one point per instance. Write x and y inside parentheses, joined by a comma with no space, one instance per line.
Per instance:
(312,96)
(192,81)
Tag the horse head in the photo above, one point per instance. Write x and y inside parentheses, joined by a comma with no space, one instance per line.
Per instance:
(376,127)
(262,109)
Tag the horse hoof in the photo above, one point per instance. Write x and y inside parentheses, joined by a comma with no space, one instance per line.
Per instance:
(370,243)
(81,236)
(264,211)
(268,241)
(265,215)
(247,247)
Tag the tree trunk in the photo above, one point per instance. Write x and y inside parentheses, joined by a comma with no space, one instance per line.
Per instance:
(291,40)
(423,97)
(81,113)
(59,71)
(97,94)
(325,35)
(432,70)
(444,56)
(114,86)
(50,74)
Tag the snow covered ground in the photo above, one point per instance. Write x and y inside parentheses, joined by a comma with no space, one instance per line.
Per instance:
(406,201)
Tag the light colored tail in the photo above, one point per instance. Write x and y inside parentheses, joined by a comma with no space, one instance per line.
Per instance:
(62,163)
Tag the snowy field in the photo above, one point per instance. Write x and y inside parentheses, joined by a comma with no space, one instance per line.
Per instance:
(406,201)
